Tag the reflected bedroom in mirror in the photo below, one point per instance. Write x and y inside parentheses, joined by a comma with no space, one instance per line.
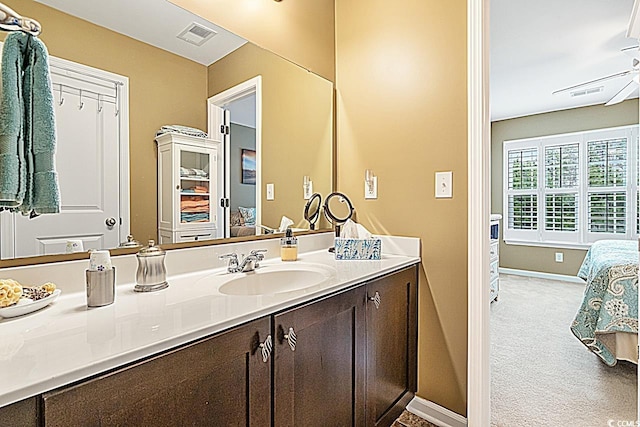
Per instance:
(170,128)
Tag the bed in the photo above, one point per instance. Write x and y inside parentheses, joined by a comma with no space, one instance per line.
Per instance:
(607,321)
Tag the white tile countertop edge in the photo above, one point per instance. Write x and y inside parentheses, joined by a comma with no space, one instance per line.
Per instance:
(66,342)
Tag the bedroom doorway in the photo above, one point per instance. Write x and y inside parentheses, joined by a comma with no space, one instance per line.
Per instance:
(479,178)
(237,113)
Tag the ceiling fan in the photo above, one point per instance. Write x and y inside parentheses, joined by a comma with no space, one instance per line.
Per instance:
(633,74)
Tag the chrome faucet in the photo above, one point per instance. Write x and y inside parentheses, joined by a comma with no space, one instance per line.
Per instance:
(249,263)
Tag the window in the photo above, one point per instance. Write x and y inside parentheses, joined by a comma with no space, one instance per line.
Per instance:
(572,189)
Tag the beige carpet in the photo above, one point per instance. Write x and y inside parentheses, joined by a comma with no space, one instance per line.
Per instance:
(541,375)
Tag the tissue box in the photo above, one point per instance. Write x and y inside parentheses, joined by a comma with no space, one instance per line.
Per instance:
(358,248)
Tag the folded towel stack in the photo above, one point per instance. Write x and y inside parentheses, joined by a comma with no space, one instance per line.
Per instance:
(196,189)
(184,130)
(28,179)
(192,173)
(194,217)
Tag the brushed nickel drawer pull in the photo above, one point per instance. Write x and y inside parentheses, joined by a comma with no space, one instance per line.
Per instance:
(265,348)
(291,339)
(376,300)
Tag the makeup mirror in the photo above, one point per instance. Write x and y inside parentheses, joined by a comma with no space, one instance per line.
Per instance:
(312,210)
(338,210)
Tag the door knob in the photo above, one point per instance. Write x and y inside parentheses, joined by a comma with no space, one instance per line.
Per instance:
(110,222)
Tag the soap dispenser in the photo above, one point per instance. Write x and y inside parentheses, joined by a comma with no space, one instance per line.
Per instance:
(152,274)
(289,246)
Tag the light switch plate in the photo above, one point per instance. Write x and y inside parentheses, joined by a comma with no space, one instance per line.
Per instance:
(371,191)
(444,184)
(270,192)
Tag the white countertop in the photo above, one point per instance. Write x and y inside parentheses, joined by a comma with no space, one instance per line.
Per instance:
(67,342)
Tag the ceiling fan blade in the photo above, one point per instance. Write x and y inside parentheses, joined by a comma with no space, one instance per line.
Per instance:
(623,93)
(589,83)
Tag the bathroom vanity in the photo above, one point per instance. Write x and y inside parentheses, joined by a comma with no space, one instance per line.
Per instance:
(339,353)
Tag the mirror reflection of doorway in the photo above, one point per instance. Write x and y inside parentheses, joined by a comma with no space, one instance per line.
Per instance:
(242,171)
(237,113)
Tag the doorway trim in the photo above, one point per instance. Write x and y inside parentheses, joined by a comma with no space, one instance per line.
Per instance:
(478,150)
(234,93)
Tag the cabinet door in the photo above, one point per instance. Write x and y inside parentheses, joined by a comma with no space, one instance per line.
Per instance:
(319,381)
(391,345)
(23,413)
(196,171)
(217,381)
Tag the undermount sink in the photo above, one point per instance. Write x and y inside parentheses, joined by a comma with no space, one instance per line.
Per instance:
(276,279)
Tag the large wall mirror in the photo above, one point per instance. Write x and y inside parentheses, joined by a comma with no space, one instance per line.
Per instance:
(123,73)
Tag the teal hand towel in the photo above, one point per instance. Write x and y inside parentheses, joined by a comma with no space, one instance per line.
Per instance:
(28,179)
(42,193)
(12,162)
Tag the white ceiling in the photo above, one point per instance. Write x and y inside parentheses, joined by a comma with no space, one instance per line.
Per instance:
(539,46)
(156,22)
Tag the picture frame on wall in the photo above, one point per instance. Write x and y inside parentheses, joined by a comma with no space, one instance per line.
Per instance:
(248,160)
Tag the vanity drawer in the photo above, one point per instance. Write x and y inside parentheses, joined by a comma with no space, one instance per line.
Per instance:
(167,236)
(192,236)
(493,271)
(494,250)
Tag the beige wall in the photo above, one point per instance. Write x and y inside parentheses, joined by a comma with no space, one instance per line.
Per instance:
(163,89)
(299,30)
(402,111)
(575,120)
(297,126)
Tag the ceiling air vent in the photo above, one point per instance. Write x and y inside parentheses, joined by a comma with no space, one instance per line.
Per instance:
(587,91)
(196,34)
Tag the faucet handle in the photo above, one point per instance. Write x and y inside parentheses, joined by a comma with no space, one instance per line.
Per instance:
(258,254)
(232,257)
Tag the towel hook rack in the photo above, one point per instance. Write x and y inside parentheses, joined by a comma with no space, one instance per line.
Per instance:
(12,21)
(81,104)
(61,97)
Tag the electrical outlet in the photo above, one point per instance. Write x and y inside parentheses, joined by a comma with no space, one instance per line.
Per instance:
(270,192)
(444,182)
(559,257)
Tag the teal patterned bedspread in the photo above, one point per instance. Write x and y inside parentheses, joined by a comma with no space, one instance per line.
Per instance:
(610,301)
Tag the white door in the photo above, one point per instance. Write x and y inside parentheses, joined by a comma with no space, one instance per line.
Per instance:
(88,162)
(218,130)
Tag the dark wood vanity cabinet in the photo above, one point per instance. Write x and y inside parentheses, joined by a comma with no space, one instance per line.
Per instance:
(355,356)
(391,346)
(216,381)
(347,359)
(319,376)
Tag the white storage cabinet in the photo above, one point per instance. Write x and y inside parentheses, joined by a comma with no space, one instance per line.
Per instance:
(187,188)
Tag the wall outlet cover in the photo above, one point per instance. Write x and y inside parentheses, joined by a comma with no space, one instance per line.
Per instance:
(559,257)
(270,192)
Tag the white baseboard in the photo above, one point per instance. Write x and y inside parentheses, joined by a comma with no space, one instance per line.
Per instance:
(435,413)
(541,275)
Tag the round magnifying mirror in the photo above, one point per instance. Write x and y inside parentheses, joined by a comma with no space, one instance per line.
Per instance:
(312,210)
(338,209)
